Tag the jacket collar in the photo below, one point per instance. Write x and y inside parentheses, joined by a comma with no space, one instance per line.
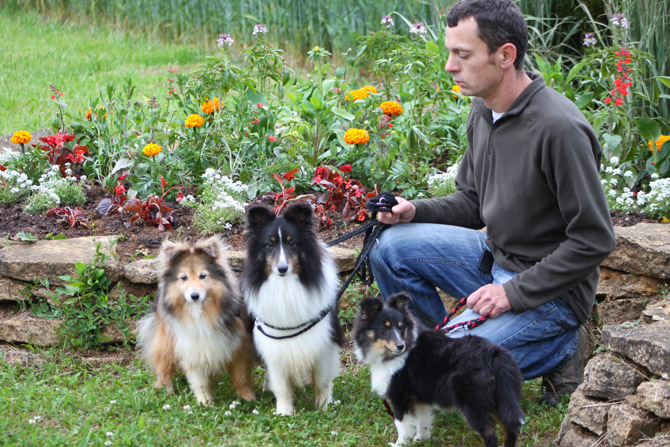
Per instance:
(519,103)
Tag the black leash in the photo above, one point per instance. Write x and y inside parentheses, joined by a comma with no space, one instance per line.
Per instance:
(382,202)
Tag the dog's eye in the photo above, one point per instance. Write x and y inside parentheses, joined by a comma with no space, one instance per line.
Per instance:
(290,243)
(270,244)
(202,275)
(183,276)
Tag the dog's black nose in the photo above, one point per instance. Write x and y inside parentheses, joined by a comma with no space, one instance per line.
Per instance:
(195,296)
(400,346)
(282,269)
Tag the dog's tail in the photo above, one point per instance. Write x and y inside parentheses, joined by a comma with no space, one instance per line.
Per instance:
(508,394)
(146,333)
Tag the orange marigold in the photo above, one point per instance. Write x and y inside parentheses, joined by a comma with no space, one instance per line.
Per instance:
(391,108)
(89,113)
(356,136)
(194,121)
(21,137)
(211,106)
(152,149)
(659,143)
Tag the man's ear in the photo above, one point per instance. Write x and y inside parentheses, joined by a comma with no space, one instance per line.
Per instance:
(507,55)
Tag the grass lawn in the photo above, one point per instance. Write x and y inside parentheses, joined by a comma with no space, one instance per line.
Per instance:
(80,61)
(64,401)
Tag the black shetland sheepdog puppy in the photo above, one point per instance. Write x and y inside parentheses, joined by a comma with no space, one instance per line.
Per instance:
(419,370)
(290,288)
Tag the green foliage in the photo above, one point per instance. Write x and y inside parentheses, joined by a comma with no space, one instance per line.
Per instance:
(88,304)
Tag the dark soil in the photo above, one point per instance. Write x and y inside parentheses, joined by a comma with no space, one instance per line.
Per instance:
(140,238)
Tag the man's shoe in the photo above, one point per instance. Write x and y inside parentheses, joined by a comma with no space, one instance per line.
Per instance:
(567,379)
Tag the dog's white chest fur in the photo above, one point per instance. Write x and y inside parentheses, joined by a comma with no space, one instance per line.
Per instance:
(381,373)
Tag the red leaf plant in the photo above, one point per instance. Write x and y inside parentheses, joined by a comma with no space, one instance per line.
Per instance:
(71,216)
(152,210)
(58,152)
(344,194)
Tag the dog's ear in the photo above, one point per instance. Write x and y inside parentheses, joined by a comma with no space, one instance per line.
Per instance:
(213,246)
(370,306)
(259,215)
(300,214)
(399,301)
(169,250)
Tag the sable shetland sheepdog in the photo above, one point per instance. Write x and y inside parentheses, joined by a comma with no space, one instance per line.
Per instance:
(199,324)
(419,370)
(290,288)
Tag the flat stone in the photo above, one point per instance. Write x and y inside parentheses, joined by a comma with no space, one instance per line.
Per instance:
(573,435)
(607,376)
(588,413)
(27,328)
(12,290)
(645,344)
(643,249)
(656,311)
(627,425)
(51,259)
(142,271)
(616,284)
(654,396)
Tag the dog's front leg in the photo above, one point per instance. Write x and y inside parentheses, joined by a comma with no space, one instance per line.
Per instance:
(406,429)
(281,386)
(199,383)
(324,373)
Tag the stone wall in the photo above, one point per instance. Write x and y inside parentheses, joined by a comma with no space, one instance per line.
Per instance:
(624,399)
(22,263)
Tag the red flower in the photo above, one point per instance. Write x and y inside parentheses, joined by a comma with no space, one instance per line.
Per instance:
(119,189)
(345,168)
(618,101)
(272,138)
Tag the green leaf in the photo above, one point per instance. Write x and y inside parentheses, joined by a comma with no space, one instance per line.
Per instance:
(25,237)
(649,129)
(315,102)
(432,47)
(665,80)
(343,114)
(612,141)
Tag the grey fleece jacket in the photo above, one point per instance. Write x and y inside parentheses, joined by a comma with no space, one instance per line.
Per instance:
(532,179)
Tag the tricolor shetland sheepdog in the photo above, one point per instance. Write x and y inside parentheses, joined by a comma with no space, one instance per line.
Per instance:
(419,370)
(290,288)
(199,324)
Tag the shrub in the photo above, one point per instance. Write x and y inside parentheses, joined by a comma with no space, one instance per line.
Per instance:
(221,202)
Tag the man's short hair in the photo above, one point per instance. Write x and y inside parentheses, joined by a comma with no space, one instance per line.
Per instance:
(499,22)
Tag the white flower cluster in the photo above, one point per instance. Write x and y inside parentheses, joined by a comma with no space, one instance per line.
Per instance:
(443,183)
(14,186)
(222,201)
(260,29)
(388,21)
(418,29)
(224,40)
(616,186)
(656,202)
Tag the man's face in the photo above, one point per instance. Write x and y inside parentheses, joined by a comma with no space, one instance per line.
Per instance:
(473,68)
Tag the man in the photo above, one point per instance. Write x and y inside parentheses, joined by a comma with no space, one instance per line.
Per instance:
(530,176)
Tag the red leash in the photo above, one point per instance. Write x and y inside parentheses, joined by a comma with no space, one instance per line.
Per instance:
(470,324)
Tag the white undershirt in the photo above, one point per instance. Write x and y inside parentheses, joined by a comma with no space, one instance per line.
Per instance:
(496,115)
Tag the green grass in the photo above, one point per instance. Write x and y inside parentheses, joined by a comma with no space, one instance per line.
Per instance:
(63,401)
(79,60)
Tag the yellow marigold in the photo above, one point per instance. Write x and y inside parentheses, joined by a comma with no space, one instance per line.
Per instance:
(456,89)
(151,149)
(21,137)
(391,108)
(356,136)
(211,106)
(369,89)
(194,121)
(659,143)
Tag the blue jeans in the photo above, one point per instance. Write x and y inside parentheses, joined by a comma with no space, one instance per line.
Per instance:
(418,258)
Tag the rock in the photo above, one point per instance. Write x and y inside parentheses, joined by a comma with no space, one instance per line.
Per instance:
(645,344)
(588,413)
(654,396)
(656,311)
(643,249)
(614,284)
(51,259)
(576,436)
(615,311)
(142,271)
(12,290)
(627,425)
(607,376)
(27,328)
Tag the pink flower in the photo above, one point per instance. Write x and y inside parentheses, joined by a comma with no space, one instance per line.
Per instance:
(272,138)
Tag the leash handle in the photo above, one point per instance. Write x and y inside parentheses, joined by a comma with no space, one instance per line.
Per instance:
(470,324)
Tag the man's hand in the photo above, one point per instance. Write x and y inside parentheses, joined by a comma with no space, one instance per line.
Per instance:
(403,212)
(489,298)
